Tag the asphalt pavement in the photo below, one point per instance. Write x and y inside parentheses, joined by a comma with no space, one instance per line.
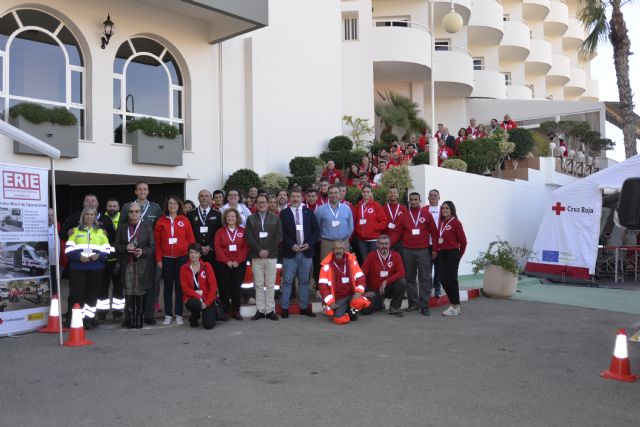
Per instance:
(501,363)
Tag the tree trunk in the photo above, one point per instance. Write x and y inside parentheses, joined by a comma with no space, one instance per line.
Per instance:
(619,37)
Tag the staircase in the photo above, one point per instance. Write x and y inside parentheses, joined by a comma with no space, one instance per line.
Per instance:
(522,172)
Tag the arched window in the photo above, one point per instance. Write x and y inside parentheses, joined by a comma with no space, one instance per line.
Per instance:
(146,83)
(40,62)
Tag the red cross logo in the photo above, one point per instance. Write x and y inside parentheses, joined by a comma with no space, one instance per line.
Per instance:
(1,321)
(558,208)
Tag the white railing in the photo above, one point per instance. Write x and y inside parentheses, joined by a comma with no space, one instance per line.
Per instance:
(487,68)
(459,49)
(400,24)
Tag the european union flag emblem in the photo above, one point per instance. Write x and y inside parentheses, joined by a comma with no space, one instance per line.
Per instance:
(550,256)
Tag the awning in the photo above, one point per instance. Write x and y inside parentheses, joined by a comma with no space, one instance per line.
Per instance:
(614,116)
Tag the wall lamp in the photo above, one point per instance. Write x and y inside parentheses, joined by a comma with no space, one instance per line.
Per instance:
(109,30)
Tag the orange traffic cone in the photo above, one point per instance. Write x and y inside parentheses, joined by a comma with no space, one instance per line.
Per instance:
(76,335)
(620,369)
(53,327)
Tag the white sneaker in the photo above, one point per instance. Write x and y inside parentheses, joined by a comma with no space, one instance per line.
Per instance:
(179,320)
(451,311)
(167,320)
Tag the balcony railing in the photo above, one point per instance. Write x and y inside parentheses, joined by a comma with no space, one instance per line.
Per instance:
(487,68)
(443,48)
(400,24)
(514,83)
(514,19)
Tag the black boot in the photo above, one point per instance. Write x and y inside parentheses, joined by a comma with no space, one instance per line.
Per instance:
(139,315)
(128,312)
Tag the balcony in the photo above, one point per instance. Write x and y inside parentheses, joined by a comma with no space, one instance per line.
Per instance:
(539,59)
(488,82)
(453,71)
(593,91)
(560,71)
(577,84)
(516,42)
(442,7)
(535,10)
(486,26)
(557,21)
(574,36)
(401,51)
(517,89)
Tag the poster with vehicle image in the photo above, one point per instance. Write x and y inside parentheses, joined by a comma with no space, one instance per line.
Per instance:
(24,254)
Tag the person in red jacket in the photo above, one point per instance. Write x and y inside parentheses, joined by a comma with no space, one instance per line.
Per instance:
(231,252)
(415,229)
(384,271)
(444,152)
(452,243)
(394,211)
(369,221)
(331,173)
(507,123)
(462,136)
(482,134)
(199,288)
(173,235)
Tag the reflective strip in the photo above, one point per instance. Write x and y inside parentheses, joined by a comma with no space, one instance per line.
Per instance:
(102,304)
(76,318)
(54,312)
(359,274)
(276,287)
(246,285)
(88,311)
(326,281)
(70,248)
(118,301)
(328,298)
(279,266)
(117,306)
(360,288)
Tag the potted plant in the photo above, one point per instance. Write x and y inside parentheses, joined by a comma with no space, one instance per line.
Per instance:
(501,265)
(57,127)
(154,142)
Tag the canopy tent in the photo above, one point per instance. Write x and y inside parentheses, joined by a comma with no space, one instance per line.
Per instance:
(53,153)
(567,241)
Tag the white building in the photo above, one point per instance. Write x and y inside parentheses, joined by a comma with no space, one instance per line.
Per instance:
(247,96)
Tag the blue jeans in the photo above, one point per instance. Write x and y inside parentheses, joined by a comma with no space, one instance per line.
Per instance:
(301,266)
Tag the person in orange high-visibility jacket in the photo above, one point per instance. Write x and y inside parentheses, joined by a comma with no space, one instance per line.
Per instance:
(342,285)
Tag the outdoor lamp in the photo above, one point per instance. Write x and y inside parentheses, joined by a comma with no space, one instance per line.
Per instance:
(452,21)
(109,30)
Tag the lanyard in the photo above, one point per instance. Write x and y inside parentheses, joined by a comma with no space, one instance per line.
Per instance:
(384,263)
(89,237)
(202,218)
(172,230)
(195,278)
(362,209)
(144,211)
(344,268)
(235,233)
(393,215)
(415,221)
(262,219)
(337,212)
(135,231)
(443,225)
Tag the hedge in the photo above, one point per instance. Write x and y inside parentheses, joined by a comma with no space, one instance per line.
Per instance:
(304,166)
(305,182)
(523,138)
(36,113)
(420,159)
(479,154)
(152,127)
(273,182)
(242,180)
(354,195)
(455,164)
(340,143)
(343,159)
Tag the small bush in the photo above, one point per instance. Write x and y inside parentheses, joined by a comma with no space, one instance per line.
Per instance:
(540,145)
(420,159)
(273,182)
(36,113)
(242,180)
(455,164)
(342,159)
(480,154)
(304,166)
(389,138)
(397,177)
(378,146)
(380,194)
(353,195)
(304,181)
(523,138)
(340,143)
(152,127)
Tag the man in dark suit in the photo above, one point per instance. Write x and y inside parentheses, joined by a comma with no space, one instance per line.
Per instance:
(205,221)
(300,236)
(449,140)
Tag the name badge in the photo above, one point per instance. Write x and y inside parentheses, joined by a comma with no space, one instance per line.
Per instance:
(263,234)
(233,248)
(440,241)
(345,280)
(173,240)
(415,231)
(335,223)
(363,221)
(299,227)
(392,226)
(199,292)
(384,274)
(204,229)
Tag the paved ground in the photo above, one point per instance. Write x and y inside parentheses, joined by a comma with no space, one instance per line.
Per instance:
(502,363)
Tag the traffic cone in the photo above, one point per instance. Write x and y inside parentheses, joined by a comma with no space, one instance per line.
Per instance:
(620,369)
(76,334)
(53,327)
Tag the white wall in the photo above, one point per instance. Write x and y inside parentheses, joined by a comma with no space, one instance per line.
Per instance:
(490,207)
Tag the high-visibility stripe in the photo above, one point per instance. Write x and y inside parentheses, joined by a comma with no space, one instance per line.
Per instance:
(76,317)
(246,285)
(359,274)
(360,288)
(323,281)
(102,304)
(276,287)
(278,265)
(328,298)
(88,311)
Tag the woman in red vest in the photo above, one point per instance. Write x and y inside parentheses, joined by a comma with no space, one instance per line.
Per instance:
(199,288)
(452,243)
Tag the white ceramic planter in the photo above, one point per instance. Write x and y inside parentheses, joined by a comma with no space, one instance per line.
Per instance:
(499,283)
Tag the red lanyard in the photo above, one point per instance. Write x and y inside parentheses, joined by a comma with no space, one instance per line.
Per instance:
(235,233)
(393,215)
(385,262)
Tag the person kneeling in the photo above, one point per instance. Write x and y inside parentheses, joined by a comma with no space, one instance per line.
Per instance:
(341,285)
(199,288)
(384,271)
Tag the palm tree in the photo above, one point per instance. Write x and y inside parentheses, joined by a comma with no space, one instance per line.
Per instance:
(592,15)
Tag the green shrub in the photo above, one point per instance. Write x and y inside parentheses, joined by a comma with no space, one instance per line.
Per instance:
(342,159)
(523,138)
(397,177)
(242,180)
(378,146)
(305,182)
(420,159)
(389,138)
(152,127)
(455,164)
(501,253)
(540,145)
(340,143)
(354,193)
(304,166)
(480,154)
(380,194)
(273,182)
(36,113)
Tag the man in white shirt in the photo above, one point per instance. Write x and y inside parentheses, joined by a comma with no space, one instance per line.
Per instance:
(233,201)
(382,167)
(434,210)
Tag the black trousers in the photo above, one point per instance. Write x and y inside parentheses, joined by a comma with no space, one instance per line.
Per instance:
(84,287)
(229,285)
(435,270)
(316,265)
(449,260)
(394,290)
(107,278)
(53,281)
(208,314)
